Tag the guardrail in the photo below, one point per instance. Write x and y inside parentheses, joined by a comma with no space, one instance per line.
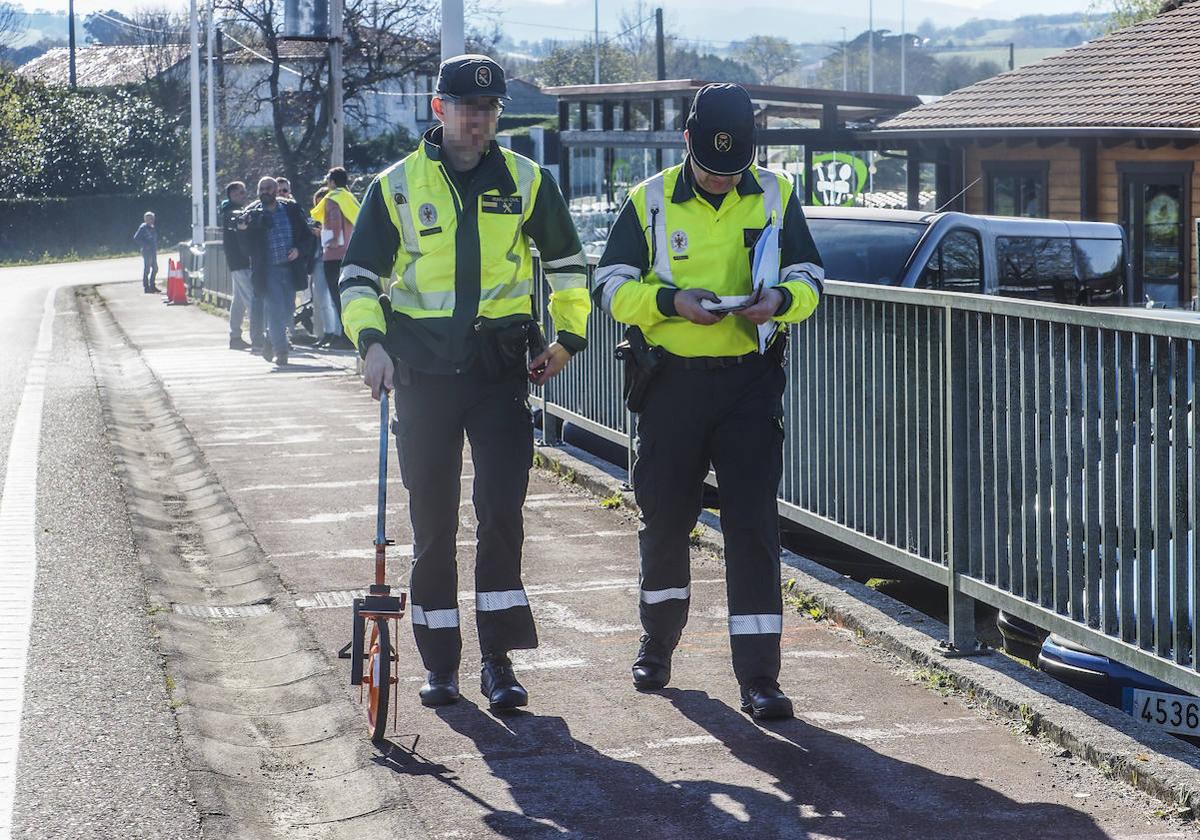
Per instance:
(218,285)
(1039,458)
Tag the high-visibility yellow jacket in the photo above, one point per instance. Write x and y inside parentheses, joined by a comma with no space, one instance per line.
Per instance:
(668,237)
(450,249)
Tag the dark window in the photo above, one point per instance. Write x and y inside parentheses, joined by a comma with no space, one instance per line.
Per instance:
(956,265)
(1036,268)
(595,116)
(1017,189)
(1100,266)
(865,251)
(640,116)
(574,116)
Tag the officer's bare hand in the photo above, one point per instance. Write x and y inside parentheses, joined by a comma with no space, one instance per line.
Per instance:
(766,307)
(293,254)
(687,304)
(378,370)
(548,364)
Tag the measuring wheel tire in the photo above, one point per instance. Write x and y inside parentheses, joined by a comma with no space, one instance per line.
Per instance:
(378,679)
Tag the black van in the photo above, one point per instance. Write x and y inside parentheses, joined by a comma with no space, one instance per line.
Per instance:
(1083,263)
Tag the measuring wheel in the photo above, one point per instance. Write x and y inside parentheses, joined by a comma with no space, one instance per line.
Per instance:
(371,641)
(379,678)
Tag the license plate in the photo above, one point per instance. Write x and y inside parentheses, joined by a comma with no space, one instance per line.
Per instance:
(1171,712)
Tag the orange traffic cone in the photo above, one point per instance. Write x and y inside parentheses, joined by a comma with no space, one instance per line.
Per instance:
(176,286)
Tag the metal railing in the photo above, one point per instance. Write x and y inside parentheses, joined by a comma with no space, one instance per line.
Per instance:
(218,285)
(1039,458)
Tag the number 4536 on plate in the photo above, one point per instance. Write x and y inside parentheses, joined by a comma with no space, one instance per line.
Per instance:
(1172,712)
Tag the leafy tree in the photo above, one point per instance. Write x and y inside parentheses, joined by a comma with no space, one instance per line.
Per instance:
(574,64)
(12,23)
(1125,12)
(769,56)
(55,141)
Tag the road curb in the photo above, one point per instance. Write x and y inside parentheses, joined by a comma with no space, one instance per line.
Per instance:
(1118,745)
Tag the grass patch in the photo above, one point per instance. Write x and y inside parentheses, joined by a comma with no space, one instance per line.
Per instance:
(802,602)
(936,679)
(213,309)
(694,535)
(611,502)
(70,256)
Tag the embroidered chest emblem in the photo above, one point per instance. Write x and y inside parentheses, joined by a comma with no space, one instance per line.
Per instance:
(427,214)
(679,242)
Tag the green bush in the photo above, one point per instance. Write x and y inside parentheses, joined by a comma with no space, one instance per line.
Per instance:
(88,225)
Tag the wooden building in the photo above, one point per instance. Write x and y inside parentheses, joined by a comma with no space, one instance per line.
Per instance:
(1106,131)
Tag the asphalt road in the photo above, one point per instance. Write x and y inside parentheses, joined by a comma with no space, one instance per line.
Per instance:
(209,519)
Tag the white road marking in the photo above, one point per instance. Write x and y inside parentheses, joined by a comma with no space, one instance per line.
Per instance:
(239,611)
(817,654)
(18,558)
(682,741)
(831,718)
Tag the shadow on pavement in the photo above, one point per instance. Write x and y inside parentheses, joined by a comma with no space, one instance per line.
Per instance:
(792,781)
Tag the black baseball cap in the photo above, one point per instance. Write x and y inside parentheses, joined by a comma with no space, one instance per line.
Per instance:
(471,75)
(721,129)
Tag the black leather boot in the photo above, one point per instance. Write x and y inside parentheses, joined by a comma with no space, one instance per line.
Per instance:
(652,668)
(763,700)
(499,684)
(440,689)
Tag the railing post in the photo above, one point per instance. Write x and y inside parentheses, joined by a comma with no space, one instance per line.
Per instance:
(958,492)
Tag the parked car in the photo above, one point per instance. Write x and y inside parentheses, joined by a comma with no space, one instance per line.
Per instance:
(1083,263)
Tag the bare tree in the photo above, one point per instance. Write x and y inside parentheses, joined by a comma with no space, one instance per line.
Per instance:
(12,24)
(385,41)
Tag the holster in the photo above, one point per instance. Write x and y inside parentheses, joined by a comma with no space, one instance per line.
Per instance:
(642,363)
(503,347)
(777,352)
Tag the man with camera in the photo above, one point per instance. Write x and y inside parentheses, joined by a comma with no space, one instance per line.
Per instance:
(277,240)
(451,228)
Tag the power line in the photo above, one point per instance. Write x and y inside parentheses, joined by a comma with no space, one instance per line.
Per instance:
(256,53)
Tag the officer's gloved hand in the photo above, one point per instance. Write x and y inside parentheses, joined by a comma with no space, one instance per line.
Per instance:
(378,370)
(687,304)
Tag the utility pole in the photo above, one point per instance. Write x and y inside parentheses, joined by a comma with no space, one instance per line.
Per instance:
(71,41)
(197,161)
(453,40)
(337,125)
(1012,55)
(596,7)
(660,46)
(871,46)
(845,63)
(212,120)
(903,50)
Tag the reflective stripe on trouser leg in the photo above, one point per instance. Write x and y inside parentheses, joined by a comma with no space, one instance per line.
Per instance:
(747,453)
(429,442)
(668,483)
(500,430)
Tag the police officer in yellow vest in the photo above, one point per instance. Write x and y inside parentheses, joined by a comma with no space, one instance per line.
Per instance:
(446,233)
(683,241)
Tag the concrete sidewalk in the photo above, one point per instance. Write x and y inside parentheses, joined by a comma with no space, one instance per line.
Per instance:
(873,753)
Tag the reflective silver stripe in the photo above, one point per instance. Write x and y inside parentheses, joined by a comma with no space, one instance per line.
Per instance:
(428,301)
(435,619)
(526,173)
(573,260)
(755,625)
(409,240)
(506,600)
(656,218)
(610,290)
(350,272)
(508,290)
(772,203)
(657,596)
(810,273)
(566,280)
(613,277)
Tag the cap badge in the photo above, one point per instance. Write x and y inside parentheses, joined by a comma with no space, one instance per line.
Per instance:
(723,141)
(679,241)
(483,77)
(427,214)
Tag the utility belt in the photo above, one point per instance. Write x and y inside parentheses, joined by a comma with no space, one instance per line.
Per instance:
(643,363)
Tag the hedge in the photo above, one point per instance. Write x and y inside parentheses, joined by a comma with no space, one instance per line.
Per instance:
(88,225)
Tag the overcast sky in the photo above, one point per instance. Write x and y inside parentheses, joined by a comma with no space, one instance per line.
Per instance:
(717,21)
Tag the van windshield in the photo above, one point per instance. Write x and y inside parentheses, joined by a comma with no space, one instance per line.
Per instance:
(865,250)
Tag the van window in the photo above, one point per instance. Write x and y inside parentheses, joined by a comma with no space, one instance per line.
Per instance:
(956,265)
(1035,267)
(1101,270)
(1061,270)
(864,250)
